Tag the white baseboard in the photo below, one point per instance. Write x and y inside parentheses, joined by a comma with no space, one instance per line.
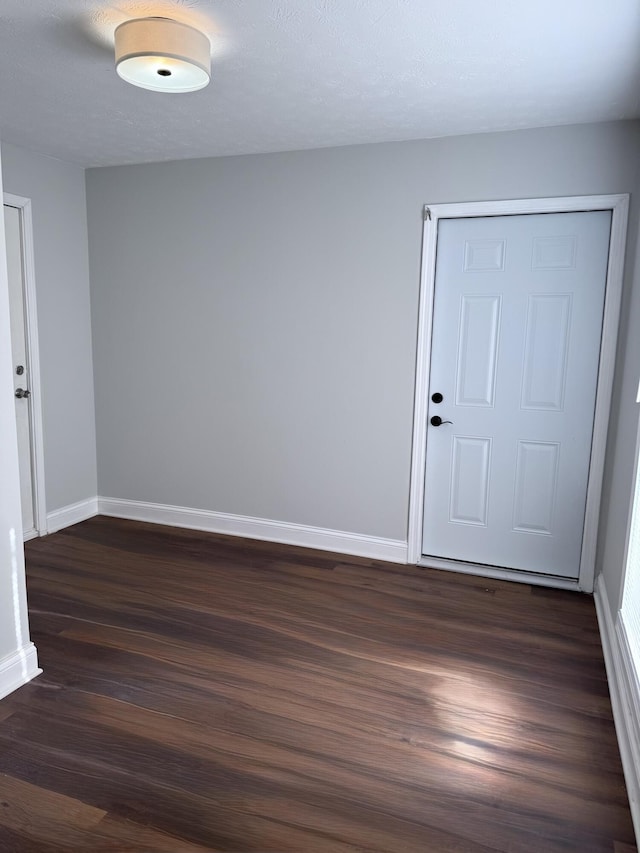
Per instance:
(393,550)
(625,696)
(71,514)
(17,669)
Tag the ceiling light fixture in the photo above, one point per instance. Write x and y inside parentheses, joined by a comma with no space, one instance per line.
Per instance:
(162,55)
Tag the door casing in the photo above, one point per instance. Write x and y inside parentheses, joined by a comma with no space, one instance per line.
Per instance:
(619,206)
(33,350)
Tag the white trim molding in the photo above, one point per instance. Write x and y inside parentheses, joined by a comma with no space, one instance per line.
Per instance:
(357,544)
(625,696)
(18,668)
(71,514)
(33,354)
(619,206)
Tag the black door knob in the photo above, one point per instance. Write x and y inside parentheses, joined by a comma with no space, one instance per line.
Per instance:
(436,420)
(437,397)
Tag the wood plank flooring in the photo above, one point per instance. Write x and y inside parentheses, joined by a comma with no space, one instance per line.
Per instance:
(205,693)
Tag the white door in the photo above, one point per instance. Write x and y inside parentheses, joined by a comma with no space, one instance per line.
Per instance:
(515,350)
(12,220)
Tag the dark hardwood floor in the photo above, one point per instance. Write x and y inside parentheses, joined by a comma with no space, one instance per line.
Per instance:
(204,693)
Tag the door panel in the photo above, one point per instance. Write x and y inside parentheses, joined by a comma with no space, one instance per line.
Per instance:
(469,489)
(545,352)
(536,486)
(478,350)
(515,350)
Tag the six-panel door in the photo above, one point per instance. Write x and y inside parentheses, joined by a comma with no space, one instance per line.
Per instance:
(515,350)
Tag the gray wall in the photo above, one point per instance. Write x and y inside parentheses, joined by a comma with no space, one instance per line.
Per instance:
(254,318)
(57,191)
(623,427)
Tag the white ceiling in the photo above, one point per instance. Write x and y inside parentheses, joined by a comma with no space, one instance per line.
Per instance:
(292,74)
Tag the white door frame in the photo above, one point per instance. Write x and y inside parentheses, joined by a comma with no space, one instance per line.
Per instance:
(619,206)
(33,352)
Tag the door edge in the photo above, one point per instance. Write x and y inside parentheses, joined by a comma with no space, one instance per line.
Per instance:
(496,573)
(23,204)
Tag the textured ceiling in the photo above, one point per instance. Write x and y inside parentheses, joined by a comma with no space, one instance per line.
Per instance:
(291,74)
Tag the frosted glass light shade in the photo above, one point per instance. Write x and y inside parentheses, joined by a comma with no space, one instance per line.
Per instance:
(162,55)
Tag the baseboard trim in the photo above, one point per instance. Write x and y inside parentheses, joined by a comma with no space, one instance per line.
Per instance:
(625,697)
(17,669)
(71,514)
(373,547)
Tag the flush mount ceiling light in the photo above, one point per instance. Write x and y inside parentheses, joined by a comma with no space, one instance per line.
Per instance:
(162,55)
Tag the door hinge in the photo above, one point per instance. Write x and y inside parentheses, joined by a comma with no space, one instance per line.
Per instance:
(427,214)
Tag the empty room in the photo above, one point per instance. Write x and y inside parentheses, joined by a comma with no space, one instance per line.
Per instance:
(319,426)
